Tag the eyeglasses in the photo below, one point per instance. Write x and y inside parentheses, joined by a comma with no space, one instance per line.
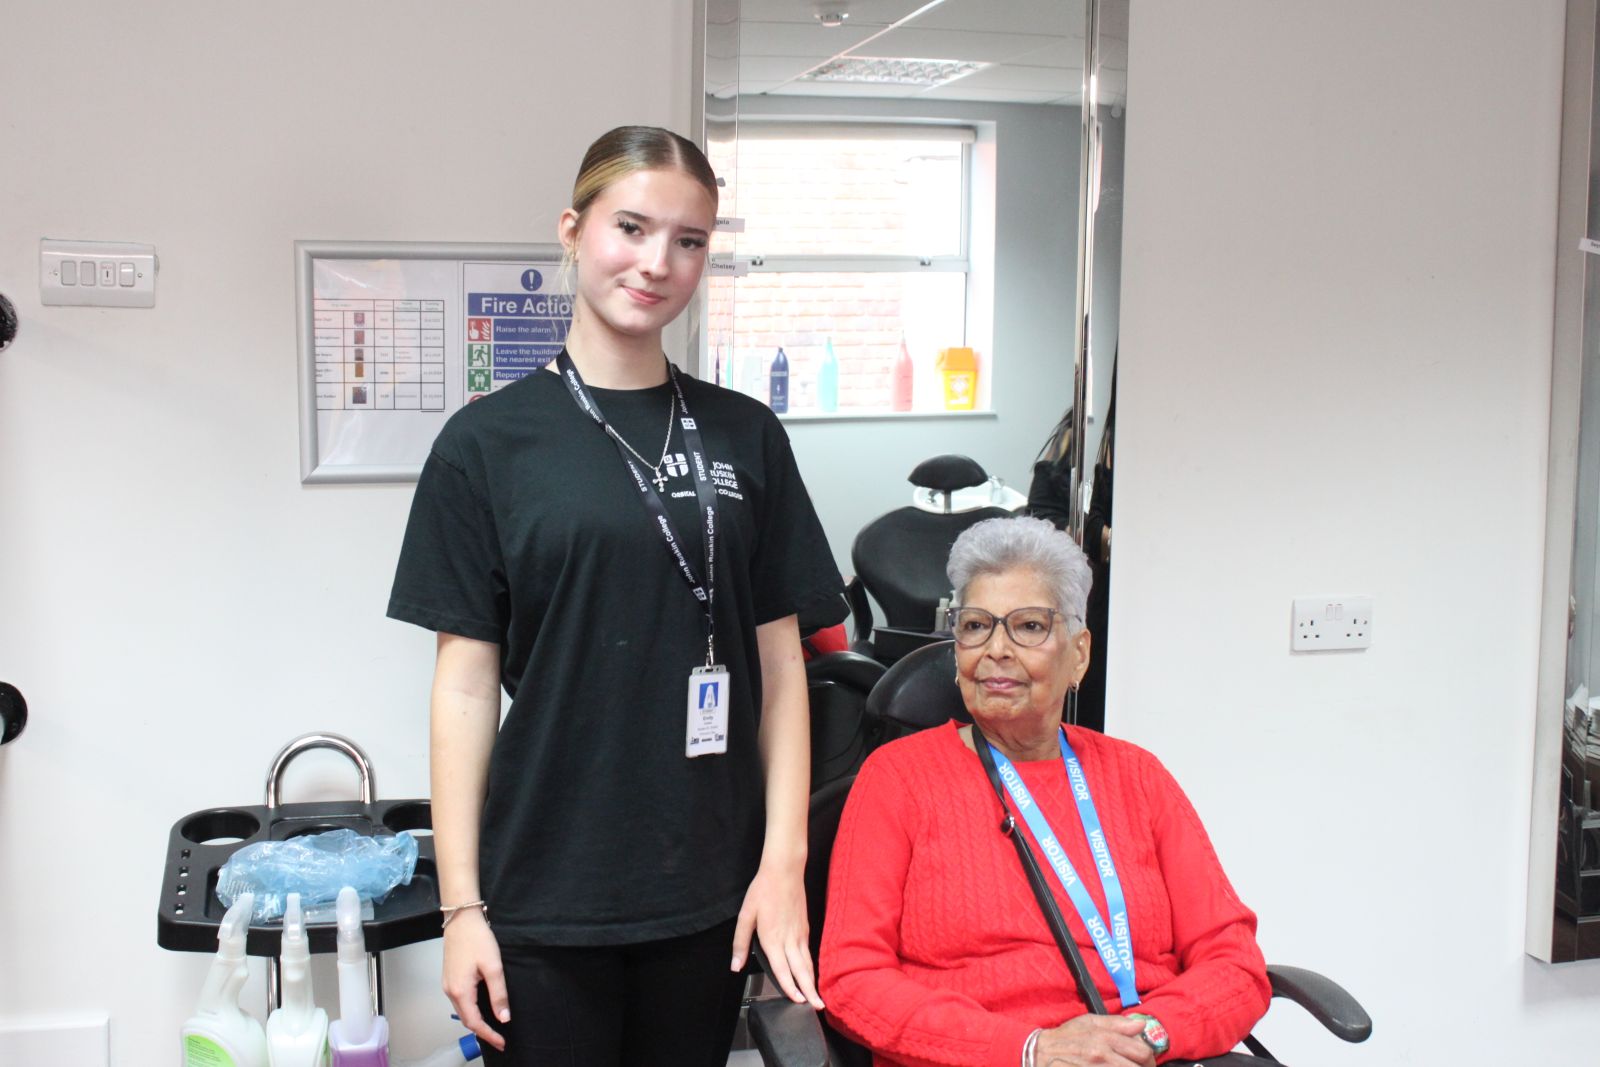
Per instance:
(1028,627)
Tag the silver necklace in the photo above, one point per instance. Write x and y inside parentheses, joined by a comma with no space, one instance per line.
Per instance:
(655,468)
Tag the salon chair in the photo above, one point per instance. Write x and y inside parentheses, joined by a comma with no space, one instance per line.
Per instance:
(900,557)
(842,730)
(919,692)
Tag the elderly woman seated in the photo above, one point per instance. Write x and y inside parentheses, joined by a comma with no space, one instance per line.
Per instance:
(935,950)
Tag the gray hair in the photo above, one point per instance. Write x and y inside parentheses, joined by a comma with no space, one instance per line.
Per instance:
(995,546)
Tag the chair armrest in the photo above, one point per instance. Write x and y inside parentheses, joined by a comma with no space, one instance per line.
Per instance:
(787,1034)
(855,595)
(1324,998)
(859,672)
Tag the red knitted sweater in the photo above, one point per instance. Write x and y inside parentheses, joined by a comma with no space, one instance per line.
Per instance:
(935,952)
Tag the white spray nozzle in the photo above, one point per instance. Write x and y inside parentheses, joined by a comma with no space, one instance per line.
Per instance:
(352,943)
(235,925)
(294,930)
(355,1024)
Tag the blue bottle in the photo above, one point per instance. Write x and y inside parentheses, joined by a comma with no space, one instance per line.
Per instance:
(778,384)
(828,380)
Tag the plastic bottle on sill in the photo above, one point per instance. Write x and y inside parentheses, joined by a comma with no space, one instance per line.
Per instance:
(828,380)
(778,384)
(904,382)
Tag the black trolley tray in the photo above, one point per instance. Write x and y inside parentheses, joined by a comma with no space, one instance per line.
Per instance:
(201,842)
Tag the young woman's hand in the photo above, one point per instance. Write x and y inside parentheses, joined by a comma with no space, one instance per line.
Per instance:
(1094,1041)
(471,955)
(775,911)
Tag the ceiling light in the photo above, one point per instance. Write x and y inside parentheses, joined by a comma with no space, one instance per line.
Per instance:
(922,73)
(832,19)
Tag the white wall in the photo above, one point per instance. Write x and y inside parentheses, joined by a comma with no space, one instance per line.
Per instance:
(172,601)
(1336,340)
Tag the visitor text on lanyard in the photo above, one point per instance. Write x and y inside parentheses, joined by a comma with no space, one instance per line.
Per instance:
(1115,945)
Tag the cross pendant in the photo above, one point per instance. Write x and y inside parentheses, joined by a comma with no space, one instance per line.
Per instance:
(661,482)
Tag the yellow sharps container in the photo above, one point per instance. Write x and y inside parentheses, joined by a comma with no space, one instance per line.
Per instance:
(958,367)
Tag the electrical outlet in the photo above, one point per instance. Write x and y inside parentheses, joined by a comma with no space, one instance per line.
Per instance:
(97,274)
(1326,623)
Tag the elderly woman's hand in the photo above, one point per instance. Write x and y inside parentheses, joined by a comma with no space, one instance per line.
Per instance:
(1094,1041)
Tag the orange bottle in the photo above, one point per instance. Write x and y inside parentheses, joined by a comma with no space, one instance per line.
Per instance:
(959,369)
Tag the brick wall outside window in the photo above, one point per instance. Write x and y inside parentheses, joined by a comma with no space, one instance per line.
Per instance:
(805,197)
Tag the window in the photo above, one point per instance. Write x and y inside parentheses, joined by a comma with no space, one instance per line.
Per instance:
(855,238)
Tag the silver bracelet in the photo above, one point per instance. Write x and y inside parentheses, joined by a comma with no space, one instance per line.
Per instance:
(1029,1047)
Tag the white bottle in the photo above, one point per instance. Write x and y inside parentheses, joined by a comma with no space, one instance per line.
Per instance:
(455,1054)
(297,1033)
(359,1038)
(220,1033)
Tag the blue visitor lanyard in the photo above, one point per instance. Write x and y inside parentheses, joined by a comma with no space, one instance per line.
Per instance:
(1115,945)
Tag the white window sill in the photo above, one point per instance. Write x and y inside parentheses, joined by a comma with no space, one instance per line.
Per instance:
(882,416)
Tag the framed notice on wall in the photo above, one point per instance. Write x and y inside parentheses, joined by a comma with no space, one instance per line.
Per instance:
(394,338)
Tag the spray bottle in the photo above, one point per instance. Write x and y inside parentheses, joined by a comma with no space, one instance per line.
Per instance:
(220,1033)
(359,1038)
(828,380)
(297,1033)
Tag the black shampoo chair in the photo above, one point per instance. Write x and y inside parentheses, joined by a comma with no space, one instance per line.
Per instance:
(899,558)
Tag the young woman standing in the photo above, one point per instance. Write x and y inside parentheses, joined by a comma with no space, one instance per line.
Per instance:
(624,550)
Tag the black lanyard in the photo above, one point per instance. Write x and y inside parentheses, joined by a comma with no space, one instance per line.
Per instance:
(705,493)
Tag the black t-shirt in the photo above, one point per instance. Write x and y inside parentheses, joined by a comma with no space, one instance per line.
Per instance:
(527,530)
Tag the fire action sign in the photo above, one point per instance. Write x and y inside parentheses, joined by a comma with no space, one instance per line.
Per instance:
(516,321)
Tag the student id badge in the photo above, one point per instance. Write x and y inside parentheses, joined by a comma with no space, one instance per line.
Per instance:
(708,712)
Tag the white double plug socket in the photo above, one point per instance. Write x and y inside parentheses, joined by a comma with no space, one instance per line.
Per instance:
(1329,623)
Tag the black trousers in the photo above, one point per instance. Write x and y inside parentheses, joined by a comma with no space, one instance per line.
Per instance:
(672,1003)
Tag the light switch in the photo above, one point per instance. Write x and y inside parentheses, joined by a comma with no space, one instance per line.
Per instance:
(97,274)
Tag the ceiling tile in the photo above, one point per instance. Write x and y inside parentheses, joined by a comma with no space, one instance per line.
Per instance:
(877,13)
(913,43)
(797,39)
(1054,18)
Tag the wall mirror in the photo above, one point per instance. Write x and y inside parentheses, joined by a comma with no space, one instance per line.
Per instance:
(1564,853)
(906,180)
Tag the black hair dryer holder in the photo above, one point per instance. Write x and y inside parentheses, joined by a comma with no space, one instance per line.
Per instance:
(200,844)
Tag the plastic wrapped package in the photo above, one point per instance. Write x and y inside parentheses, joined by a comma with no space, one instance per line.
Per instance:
(317,866)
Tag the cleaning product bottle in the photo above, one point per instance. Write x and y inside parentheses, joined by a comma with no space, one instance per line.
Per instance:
(297,1033)
(959,366)
(359,1038)
(904,379)
(828,380)
(778,384)
(454,1054)
(220,1033)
